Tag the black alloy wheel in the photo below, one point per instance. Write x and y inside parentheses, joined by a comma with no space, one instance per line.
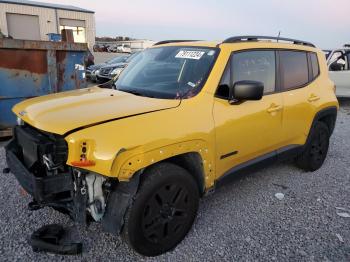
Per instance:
(163,211)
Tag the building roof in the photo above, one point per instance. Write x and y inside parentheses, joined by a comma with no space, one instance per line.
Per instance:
(46,5)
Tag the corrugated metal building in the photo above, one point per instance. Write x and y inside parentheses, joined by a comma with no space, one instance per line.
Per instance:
(22,19)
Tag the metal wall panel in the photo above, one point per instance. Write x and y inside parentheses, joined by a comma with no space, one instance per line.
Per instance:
(72,22)
(23,26)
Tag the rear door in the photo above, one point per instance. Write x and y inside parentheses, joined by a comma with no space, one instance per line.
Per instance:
(301,93)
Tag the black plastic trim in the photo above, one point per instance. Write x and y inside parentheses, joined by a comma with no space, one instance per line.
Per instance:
(229,154)
(41,188)
(118,203)
(249,166)
(326,112)
(259,162)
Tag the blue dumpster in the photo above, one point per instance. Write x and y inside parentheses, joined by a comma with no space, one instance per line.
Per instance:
(35,68)
(54,37)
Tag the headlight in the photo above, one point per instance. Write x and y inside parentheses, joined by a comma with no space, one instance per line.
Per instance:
(96,72)
(117,71)
(20,122)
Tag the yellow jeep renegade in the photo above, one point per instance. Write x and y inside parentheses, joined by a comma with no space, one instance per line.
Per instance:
(182,118)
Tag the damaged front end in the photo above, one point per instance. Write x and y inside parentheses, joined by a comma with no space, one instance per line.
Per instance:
(38,160)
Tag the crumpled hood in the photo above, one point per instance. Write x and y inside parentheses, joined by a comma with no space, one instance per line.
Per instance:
(64,112)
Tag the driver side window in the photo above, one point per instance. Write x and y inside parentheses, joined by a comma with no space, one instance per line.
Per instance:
(255,65)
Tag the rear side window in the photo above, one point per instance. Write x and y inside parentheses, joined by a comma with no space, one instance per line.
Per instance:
(256,66)
(315,66)
(294,69)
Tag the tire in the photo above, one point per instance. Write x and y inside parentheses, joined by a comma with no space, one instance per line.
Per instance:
(316,149)
(163,210)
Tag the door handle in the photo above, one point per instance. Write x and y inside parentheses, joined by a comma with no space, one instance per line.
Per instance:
(274,108)
(313,98)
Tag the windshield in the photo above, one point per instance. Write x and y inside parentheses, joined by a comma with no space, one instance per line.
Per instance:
(118,59)
(171,72)
(131,57)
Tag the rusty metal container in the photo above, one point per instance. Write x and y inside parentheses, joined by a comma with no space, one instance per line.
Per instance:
(35,68)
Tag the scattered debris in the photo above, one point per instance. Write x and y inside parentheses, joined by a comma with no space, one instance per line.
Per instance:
(340,238)
(279,185)
(279,196)
(6,170)
(52,238)
(343,212)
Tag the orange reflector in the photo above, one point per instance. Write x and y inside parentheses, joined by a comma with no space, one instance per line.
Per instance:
(83,163)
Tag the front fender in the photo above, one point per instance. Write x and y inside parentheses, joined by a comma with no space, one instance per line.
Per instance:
(128,162)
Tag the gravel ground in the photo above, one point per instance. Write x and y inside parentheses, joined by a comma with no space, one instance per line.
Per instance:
(241,221)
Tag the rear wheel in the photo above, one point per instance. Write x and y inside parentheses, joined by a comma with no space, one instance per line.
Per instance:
(163,210)
(316,149)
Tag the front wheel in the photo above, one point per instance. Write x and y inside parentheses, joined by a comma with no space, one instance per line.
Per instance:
(316,149)
(163,211)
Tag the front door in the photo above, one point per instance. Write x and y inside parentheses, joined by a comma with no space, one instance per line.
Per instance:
(248,129)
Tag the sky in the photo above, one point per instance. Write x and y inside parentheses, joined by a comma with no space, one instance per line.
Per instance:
(323,22)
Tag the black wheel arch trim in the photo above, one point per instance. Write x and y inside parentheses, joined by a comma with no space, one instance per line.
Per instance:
(327,115)
(118,202)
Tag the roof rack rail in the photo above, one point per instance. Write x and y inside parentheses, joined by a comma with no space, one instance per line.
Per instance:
(254,38)
(173,41)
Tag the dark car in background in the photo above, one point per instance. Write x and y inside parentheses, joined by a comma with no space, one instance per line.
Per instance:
(110,71)
(92,70)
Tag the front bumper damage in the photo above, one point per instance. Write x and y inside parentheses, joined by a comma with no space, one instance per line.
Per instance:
(54,185)
(38,161)
(41,188)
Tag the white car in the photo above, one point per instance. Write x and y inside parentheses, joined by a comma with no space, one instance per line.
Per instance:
(124,48)
(338,61)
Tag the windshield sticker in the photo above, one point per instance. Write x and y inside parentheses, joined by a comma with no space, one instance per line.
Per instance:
(191,84)
(211,53)
(190,54)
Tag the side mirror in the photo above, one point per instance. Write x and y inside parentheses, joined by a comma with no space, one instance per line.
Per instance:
(246,90)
